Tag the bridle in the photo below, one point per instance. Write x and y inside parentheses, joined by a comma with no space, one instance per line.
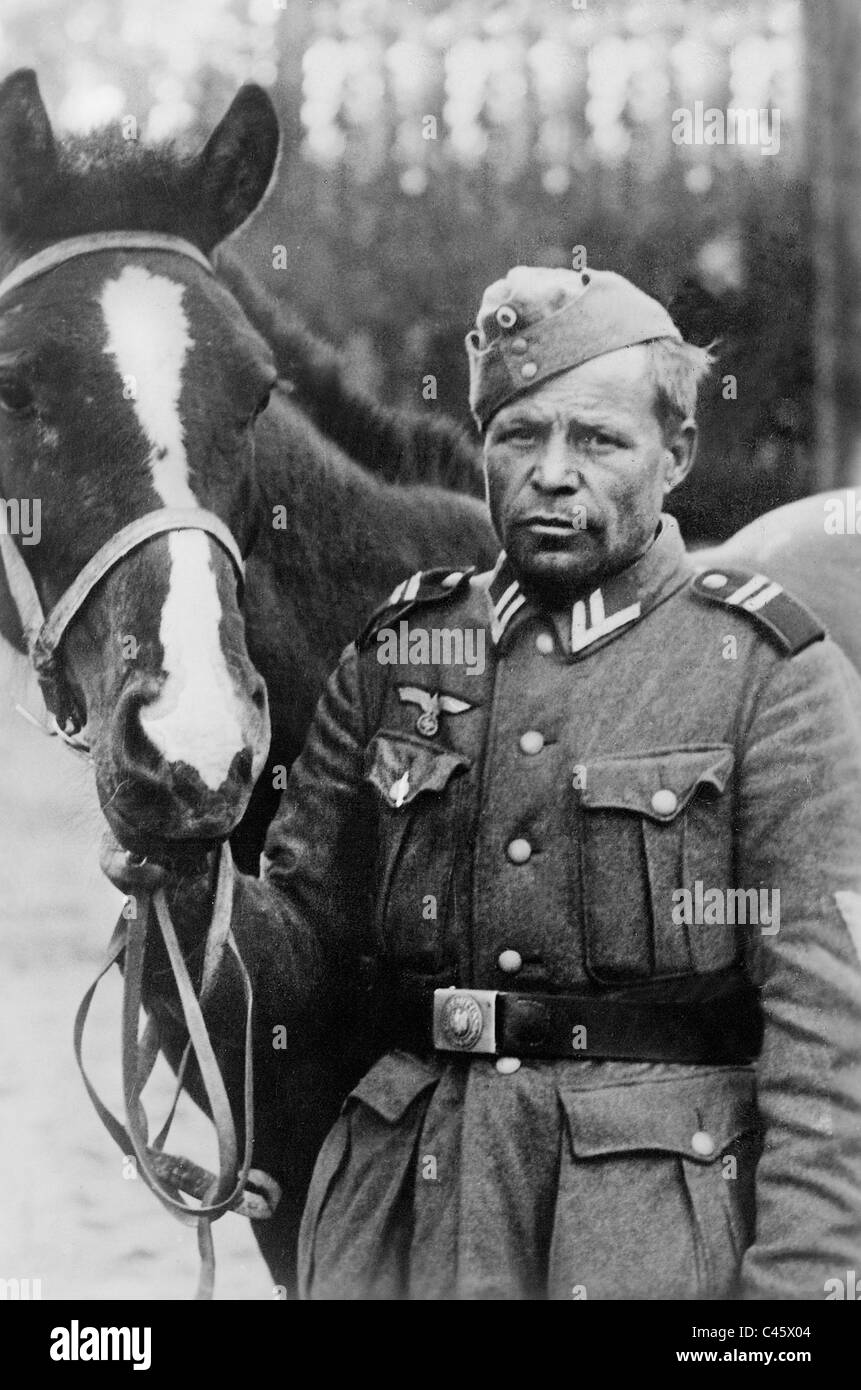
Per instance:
(44,634)
(168,1176)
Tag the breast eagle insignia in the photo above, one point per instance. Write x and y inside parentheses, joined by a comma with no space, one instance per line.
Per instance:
(432,704)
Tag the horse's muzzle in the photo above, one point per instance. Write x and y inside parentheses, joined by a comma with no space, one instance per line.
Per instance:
(149,797)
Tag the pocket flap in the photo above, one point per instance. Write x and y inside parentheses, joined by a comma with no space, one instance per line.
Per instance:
(655,784)
(697,1117)
(392,1085)
(400,767)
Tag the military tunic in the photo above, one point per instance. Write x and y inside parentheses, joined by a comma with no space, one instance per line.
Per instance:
(530,832)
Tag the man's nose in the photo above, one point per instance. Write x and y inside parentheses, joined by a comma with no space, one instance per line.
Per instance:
(557,467)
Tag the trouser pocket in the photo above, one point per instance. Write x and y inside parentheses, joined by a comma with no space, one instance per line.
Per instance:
(656,1188)
(356,1229)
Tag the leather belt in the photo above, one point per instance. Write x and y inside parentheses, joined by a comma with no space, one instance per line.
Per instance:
(714,1020)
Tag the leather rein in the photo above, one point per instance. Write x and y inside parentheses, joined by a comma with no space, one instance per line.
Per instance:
(167,1176)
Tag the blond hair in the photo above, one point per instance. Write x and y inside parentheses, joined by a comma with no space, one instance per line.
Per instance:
(676,370)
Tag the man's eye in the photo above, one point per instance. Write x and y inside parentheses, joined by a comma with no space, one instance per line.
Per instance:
(517,434)
(599,439)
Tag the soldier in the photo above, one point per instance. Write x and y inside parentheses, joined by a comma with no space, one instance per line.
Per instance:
(598,886)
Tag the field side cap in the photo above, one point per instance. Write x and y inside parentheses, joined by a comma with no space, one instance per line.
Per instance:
(538,322)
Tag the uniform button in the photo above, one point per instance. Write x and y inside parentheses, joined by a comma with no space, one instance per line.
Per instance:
(519,851)
(664,802)
(532,741)
(510,961)
(714,581)
(703,1144)
(507,1066)
(519,345)
(529,370)
(544,643)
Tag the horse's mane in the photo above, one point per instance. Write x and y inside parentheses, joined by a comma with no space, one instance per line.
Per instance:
(398,446)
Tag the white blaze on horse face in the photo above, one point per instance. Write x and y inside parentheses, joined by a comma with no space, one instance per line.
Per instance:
(197,718)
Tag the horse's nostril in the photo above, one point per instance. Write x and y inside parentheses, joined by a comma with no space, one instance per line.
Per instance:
(244,764)
(136,748)
(258,697)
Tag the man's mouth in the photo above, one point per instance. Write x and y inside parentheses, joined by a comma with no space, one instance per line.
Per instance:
(550,524)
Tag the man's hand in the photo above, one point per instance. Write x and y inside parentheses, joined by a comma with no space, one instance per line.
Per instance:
(129,872)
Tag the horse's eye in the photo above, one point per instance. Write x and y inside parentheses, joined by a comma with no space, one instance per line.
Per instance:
(16,397)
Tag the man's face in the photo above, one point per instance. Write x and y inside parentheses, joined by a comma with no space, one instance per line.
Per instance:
(577,471)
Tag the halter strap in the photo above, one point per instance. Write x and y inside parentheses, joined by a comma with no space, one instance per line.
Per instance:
(43,635)
(121,544)
(87,245)
(24,595)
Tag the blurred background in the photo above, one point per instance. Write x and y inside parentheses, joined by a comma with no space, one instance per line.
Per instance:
(431,145)
(428,147)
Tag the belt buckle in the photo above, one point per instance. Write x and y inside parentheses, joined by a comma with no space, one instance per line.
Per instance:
(464,1020)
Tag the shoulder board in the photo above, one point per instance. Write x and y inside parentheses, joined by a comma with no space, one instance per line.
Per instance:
(427,586)
(782,619)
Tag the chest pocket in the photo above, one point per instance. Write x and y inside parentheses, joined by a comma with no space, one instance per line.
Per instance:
(652,823)
(419,791)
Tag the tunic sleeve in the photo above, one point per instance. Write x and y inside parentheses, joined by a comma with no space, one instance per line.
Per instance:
(800,836)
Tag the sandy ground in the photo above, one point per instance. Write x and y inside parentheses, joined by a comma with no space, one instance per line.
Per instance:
(67,1215)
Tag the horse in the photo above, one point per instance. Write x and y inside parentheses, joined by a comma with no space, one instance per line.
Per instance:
(812,547)
(141,411)
(205,425)
(133,382)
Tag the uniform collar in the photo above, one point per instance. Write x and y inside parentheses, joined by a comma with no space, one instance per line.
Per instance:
(622,600)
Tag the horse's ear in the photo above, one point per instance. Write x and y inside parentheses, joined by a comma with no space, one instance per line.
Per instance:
(28,151)
(236,166)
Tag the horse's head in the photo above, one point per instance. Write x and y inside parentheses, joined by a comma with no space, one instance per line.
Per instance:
(130,382)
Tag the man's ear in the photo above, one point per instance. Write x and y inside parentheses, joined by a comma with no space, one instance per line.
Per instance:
(681,451)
